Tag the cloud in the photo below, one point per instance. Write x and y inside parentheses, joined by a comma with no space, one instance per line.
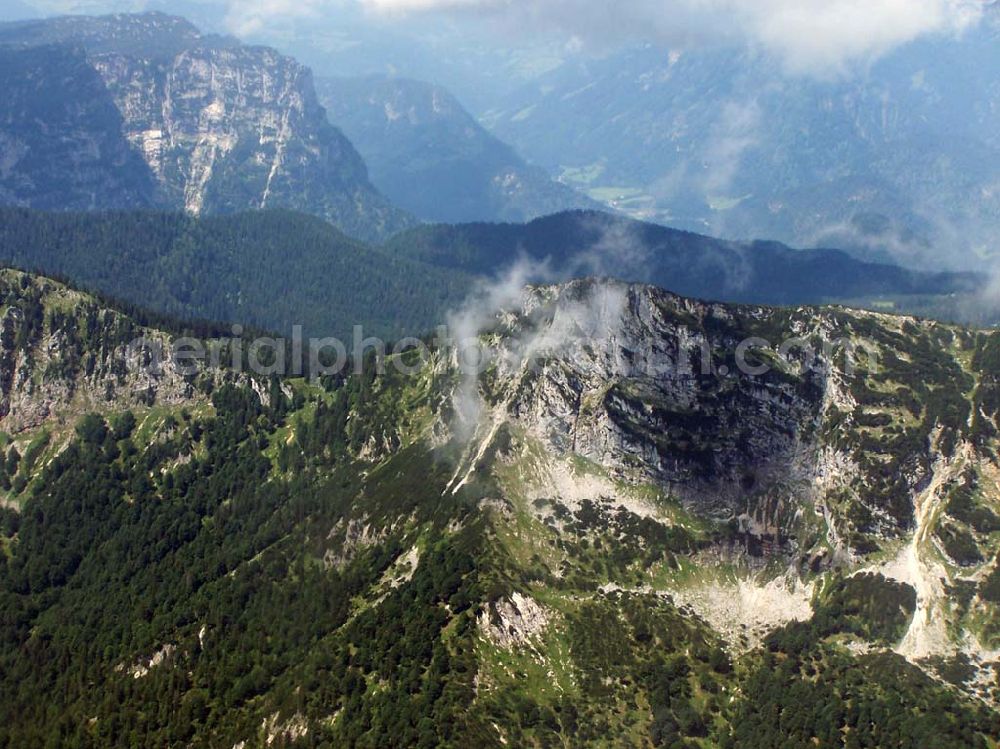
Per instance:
(511,328)
(820,37)
(810,36)
(248,17)
(735,132)
(615,250)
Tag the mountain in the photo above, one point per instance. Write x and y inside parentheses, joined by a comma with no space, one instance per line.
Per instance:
(269,269)
(693,265)
(278,269)
(147,35)
(900,159)
(430,157)
(222,127)
(615,546)
(61,136)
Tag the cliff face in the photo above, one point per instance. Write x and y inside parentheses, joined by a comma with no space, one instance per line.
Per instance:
(870,446)
(228,129)
(221,127)
(62,354)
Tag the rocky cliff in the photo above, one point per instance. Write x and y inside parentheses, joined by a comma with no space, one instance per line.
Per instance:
(63,354)
(841,440)
(221,126)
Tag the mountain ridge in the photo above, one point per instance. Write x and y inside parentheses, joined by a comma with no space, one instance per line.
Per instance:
(431,157)
(278,269)
(538,578)
(693,264)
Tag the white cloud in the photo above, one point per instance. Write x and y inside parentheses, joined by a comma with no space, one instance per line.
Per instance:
(809,36)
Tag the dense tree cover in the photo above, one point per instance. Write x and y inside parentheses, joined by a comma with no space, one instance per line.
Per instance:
(989,588)
(804,690)
(867,605)
(277,269)
(816,695)
(579,242)
(124,549)
(270,269)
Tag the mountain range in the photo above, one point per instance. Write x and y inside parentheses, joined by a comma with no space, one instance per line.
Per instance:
(278,269)
(898,160)
(618,540)
(555,476)
(432,158)
(152,112)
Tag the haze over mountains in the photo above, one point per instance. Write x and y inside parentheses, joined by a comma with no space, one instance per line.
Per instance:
(814,123)
(224,127)
(580,510)
(901,160)
(431,157)
(145,111)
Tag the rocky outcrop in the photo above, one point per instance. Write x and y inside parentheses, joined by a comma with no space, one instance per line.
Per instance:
(51,370)
(237,128)
(649,386)
(513,622)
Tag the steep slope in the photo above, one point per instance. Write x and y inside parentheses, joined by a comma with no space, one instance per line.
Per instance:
(270,269)
(61,136)
(365,561)
(431,157)
(693,265)
(223,127)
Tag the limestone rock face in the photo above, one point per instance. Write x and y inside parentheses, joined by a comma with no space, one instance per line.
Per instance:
(50,372)
(225,129)
(210,125)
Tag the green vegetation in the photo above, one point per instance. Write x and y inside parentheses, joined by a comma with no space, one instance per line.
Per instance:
(582,242)
(868,606)
(269,270)
(296,569)
(820,696)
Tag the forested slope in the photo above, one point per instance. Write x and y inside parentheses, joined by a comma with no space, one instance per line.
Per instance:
(231,561)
